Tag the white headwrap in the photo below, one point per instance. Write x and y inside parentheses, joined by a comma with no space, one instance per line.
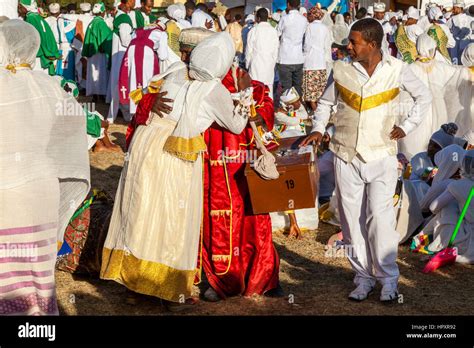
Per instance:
(85,7)
(175,12)
(289,96)
(42,140)
(448,161)
(54,8)
(442,138)
(435,13)
(250,18)
(379,7)
(303,10)
(370,10)
(426,46)
(467,57)
(467,169)
(413,13)
(276,16)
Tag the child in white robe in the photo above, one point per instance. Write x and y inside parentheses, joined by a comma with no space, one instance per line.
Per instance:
(290,121)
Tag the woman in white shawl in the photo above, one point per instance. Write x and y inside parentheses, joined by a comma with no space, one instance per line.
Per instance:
(447,208)
(445,81)
(449,162)
(44,172)
(153,239)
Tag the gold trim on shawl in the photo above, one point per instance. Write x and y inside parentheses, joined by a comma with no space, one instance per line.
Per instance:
(137,94)
(216,162)
(221,212)
(12,67)
(220,257)
(185,149)
(146,277)
(360,104)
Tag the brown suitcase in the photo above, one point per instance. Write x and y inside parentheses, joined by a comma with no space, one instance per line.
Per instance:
(297,186)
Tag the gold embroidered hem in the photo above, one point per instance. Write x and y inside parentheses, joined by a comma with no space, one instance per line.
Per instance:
(360,104)
(146,277)
(185,149)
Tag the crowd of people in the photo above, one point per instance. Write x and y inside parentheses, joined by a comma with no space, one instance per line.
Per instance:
(383,98)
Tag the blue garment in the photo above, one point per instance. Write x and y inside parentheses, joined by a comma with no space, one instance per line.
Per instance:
(342,6)
(69,69)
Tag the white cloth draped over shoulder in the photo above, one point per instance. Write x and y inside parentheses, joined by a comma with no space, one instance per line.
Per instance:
(452,88)
(44,174)
(153,239)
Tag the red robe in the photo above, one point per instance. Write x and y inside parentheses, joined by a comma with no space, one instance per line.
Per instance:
(238,255)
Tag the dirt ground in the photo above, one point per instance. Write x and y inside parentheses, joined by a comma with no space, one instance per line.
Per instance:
(315,283)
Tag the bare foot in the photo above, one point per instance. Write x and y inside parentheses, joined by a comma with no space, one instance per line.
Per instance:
(295,232)
(99,146)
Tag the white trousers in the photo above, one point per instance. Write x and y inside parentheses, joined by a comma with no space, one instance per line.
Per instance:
(365,195)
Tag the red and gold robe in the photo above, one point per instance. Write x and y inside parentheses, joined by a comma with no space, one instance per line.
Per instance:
(237,254)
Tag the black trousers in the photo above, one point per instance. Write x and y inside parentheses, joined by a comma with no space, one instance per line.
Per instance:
(291,75)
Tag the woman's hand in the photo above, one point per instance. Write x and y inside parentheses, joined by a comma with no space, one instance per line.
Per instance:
(161,104)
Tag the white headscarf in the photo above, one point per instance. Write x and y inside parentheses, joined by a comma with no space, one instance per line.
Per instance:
(210,61)
(212,58)
(467,58)
(175,12)
(467,169)
(448,161)
(340,31)
(435,13)
(46,133)
(13,51)
(426,46)
(413,13)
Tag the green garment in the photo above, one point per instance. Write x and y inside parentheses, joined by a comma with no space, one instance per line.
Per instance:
(139,19)
(93,123)
(273,22)
(98,39)
(121,19)
(153,18)
(48,51)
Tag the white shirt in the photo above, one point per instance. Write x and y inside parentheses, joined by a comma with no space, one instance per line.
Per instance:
(317,45)
(413,31)
(262,52)
(408,82)
(199,18)
(291,29)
